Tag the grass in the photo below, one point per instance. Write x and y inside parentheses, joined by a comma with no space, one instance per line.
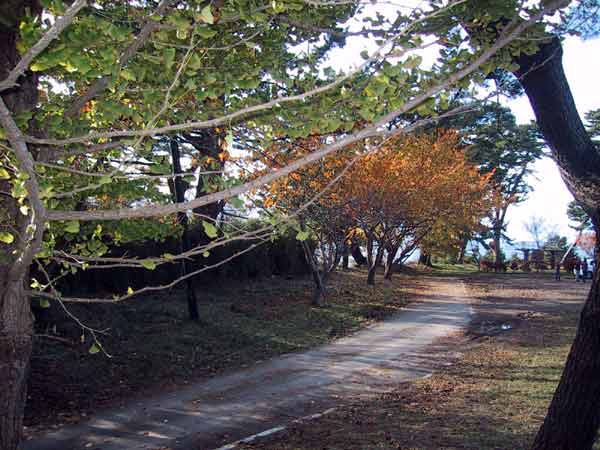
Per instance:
(447,269)
(493,397)
(155,348)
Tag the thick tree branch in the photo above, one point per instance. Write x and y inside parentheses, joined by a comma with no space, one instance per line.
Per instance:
(32,235)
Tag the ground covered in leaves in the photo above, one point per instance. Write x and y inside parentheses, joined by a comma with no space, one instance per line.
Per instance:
(153,347)
(493,396)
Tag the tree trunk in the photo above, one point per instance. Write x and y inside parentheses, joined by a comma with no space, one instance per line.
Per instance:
(209,142)
(425,259)
(318,298)
(357,255)
(389,264)
(346,258)
(185,245)
(462,251)
(371,276)
(373,265)
(16,331)
(573,416)
(16,322)
(497,250)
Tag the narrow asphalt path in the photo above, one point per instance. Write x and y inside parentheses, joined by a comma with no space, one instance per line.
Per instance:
(226,408)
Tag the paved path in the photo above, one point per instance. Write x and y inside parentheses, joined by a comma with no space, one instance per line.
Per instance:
(226,408)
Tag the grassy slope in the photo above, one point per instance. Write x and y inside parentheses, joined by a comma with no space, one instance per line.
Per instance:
(154,347)
(495,395)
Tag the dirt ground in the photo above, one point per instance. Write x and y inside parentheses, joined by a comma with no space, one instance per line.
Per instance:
(155,349)
(493,394)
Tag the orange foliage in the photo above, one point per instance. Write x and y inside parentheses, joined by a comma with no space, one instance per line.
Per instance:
(412,185)
(397,192)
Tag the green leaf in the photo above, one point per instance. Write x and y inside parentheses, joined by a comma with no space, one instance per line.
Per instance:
(169,56)
(105,180)
(72,226)
(210,230)
(94,349)
(302,235)
(148,264)
(195,62)
(206,15)
(129,290)
(206,32)
(6,237)
(4,175)
(168,256)
(236,202)
(229,139)
(44,303)
(206,254)
(128,75)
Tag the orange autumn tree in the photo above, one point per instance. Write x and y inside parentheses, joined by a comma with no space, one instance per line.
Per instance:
(313,198)
(406,188)
(452,235)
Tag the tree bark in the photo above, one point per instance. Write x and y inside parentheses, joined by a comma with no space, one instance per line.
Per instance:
(184,243)
(16,332)
(373,265)
(346,258)
(497,250)
(462,251)
(573,416)
(357,255)
(318,298)
(425,259)
(16,321)
(211,143)
(389,264)
(371,276)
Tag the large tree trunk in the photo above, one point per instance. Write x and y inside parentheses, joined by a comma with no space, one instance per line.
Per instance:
(574,414)
(16,323)
(16,330)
